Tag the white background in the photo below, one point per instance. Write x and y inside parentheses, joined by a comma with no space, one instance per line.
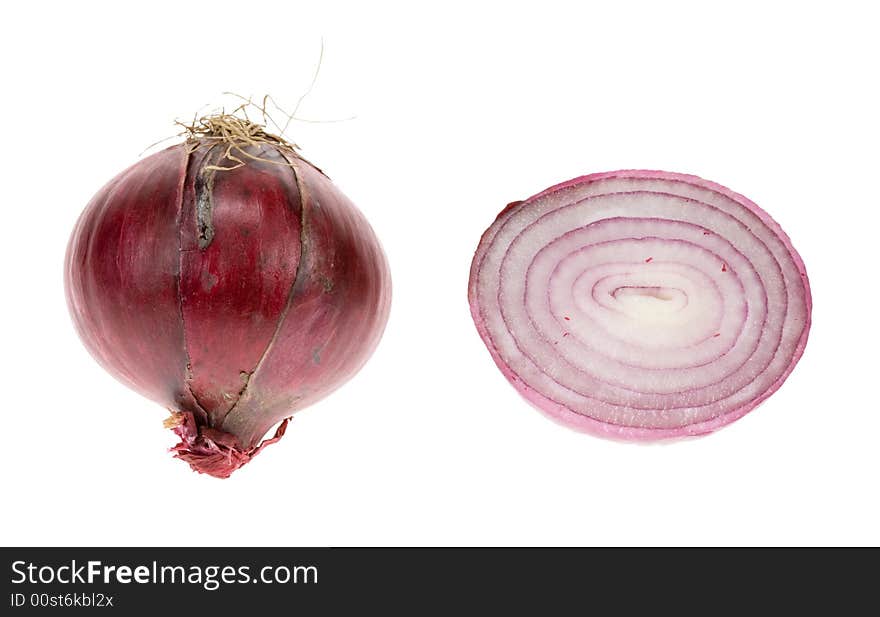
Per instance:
(460,108)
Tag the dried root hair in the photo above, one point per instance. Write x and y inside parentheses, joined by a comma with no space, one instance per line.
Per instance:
(237,132)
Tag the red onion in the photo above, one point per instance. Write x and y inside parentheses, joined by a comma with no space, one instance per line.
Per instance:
(229,280)
(640,304)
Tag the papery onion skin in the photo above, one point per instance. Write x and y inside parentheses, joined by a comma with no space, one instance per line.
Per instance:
(530,376)
(232,297)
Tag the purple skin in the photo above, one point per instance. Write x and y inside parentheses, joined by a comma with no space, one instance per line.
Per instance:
(233,298)
(585,423)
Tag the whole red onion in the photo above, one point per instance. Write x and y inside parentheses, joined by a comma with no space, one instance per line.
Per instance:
(229,280)
(641,304)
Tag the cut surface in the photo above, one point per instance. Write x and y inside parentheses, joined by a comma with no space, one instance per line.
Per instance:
(641,304)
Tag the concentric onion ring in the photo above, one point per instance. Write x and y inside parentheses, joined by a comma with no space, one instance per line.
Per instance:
(641,304)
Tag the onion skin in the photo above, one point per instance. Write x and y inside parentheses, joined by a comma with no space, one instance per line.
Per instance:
(518,364)
(232,297)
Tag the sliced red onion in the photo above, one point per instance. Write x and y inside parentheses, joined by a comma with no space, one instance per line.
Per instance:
(641,304)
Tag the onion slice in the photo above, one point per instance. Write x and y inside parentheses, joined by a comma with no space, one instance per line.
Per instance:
(640,305)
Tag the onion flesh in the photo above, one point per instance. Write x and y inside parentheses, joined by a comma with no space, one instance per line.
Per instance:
(640,305)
